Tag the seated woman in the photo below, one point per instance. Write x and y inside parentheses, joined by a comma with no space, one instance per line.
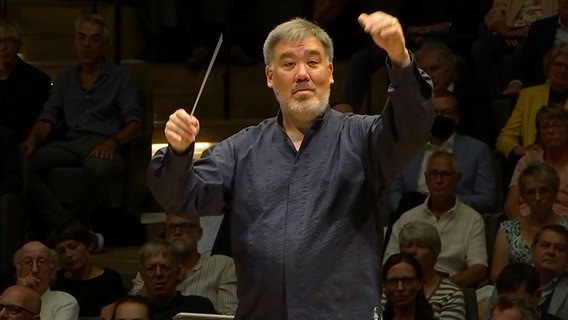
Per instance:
(92,286)
(538,186)
(422,240)
(403,282)
(519,132)
(551,148)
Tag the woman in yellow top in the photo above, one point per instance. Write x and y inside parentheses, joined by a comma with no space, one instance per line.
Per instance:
(520,132)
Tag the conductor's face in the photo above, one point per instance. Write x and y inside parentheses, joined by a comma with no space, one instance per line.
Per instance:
(300,76)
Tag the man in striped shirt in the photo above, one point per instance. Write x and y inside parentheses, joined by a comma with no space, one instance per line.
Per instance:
(212,277)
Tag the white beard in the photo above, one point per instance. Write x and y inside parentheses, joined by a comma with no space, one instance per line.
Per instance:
(300,106)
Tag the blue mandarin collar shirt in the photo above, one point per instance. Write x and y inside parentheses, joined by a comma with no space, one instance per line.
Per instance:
(304,224)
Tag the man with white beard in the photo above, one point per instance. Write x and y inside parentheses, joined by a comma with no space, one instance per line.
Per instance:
(303,188)
(212,277)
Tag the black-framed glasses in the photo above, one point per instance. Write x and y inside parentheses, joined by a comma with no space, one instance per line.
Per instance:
(14,310)
(405,281)
(183,226)
(444,174)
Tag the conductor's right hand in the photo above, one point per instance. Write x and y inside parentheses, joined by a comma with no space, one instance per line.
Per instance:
(181,130)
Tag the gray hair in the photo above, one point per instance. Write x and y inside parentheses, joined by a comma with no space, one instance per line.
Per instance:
(293,31)
(453,159)
(12,28)
(159,246)
(556,51)
(422,232)
(542,171)
(93,18)
(51,254)
(434,47)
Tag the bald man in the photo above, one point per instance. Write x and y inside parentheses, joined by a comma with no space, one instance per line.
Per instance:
(19,303)
(35,268)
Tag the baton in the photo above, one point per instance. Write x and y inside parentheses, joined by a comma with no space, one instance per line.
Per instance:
(219,42)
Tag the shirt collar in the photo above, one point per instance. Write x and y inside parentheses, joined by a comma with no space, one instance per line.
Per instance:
(448,145)
(449,213)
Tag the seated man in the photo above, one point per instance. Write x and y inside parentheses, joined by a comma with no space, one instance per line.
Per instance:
(212,277)
(17,302)
(462,231)
(477,186)
(549,252)
(35,269)
(98,102)
(23,90)
(514,308)
(131,308)
(161,269)
(516,279)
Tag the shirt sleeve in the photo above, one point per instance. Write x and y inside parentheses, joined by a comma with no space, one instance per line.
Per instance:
(227,294)
(406,119)
(476,250)
(66,309)
(453,306)
(510,136)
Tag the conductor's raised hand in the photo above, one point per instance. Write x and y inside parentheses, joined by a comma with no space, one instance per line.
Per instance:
(387,34)
(181,130)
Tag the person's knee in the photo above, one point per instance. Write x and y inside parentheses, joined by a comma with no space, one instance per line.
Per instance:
(103,167)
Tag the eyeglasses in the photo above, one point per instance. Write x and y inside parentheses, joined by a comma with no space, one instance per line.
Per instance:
(14,310)
(9,40)
(532,192)
(444,174)
(153,268)
(183,226)
(405,281)
(40,263)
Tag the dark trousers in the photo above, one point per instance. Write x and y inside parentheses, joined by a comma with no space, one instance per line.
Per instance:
(70,153)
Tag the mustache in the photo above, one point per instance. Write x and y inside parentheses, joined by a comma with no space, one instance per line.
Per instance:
(302,86)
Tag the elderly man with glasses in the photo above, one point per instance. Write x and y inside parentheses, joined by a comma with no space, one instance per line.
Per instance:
(19,303)
(212,277)
(463,256)
(36,265)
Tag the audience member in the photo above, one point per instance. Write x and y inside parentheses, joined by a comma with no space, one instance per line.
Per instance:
(92,286)
(422,241)
(542,36)
(476,185)
(98,102)
(17,302)
(212,277)
(551,147)
(23,87)
(509,22)
(452,73)
(132,308)
(302,188)
(35,268)
(518,279)
(403,281)
(520,131)
(462,231)
(23,90)
(538,185)
(549,252)
(514,308)
(161,270)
